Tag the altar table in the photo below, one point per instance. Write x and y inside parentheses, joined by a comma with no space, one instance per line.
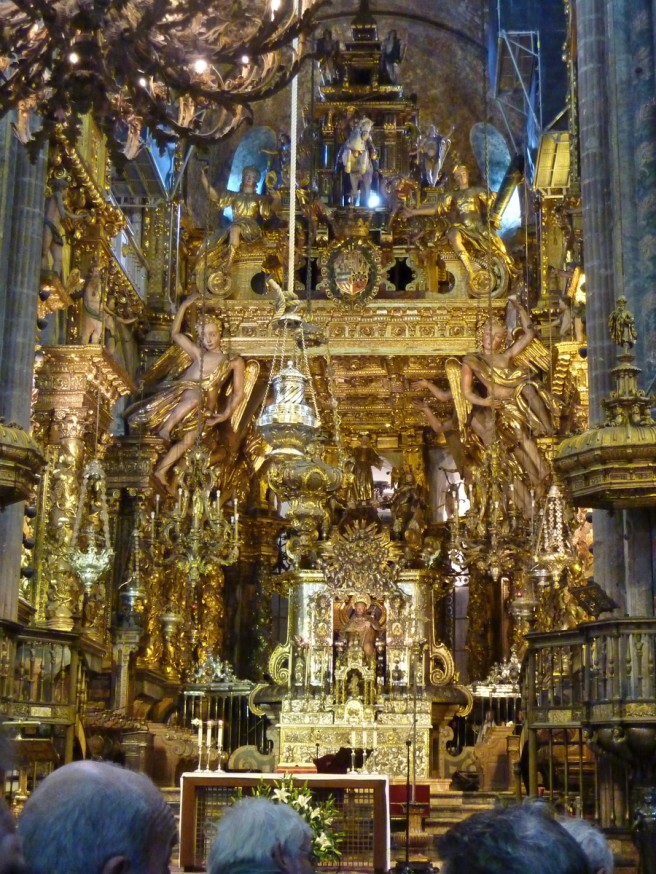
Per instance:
(362,802)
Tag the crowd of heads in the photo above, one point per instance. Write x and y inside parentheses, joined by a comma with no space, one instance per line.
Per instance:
(98,818)
(524,839)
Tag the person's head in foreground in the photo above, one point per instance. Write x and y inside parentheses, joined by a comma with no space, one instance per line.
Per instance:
(97,818)
(592,841)
(521,839)
(256,834)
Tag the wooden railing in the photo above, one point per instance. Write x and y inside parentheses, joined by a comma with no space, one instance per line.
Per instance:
(590,701)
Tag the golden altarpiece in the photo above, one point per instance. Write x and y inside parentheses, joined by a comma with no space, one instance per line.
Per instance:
(385,488)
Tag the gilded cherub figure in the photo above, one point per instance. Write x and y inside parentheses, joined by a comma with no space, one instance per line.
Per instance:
(505,399)
(52,247)
(470,228)
(173,411)
(248,208)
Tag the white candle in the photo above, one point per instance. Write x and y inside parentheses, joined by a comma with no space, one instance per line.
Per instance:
(199,723)
(209,734)
(353,739)
(375,738)
(219,735)
(364,738)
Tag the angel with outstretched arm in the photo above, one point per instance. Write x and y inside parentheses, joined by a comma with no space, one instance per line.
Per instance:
(183,407)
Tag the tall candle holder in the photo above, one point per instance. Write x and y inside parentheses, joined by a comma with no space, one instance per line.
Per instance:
(199,723)
(208,742)
(219,745)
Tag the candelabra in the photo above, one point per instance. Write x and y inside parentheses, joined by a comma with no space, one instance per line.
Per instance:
(205,746)
(487,535)
(181,68)
(194,528)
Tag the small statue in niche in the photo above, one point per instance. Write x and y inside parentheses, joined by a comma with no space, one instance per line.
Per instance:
(52,247)
(409,510)
(354,685)
(364,458)
(327,50)
(392,53)
(359,158)
(432,149)
(621,325)
(363,620)
(92,306)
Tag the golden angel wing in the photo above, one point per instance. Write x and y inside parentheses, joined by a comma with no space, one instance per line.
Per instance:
(463,407)
(535,356)
(169,365)
(250,378)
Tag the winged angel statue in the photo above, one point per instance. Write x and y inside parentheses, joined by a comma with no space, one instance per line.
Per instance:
(497,394)
(195,386)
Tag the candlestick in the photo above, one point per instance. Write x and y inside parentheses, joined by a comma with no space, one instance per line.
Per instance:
(219,743)
(199,723)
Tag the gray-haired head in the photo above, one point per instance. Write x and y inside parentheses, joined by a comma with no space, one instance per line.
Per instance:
(592,841)
(263,834)
(521,839)
(97,818)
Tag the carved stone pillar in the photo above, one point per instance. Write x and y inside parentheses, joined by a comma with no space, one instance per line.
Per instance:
(21,222)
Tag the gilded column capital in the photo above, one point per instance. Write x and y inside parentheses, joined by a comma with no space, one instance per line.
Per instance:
(78,382)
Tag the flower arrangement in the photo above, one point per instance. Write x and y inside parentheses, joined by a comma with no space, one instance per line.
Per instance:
(320,815)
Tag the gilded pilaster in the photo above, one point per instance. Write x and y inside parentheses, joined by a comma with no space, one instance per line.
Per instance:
(76,388)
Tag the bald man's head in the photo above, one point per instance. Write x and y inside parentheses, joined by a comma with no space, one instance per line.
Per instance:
(97,818)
